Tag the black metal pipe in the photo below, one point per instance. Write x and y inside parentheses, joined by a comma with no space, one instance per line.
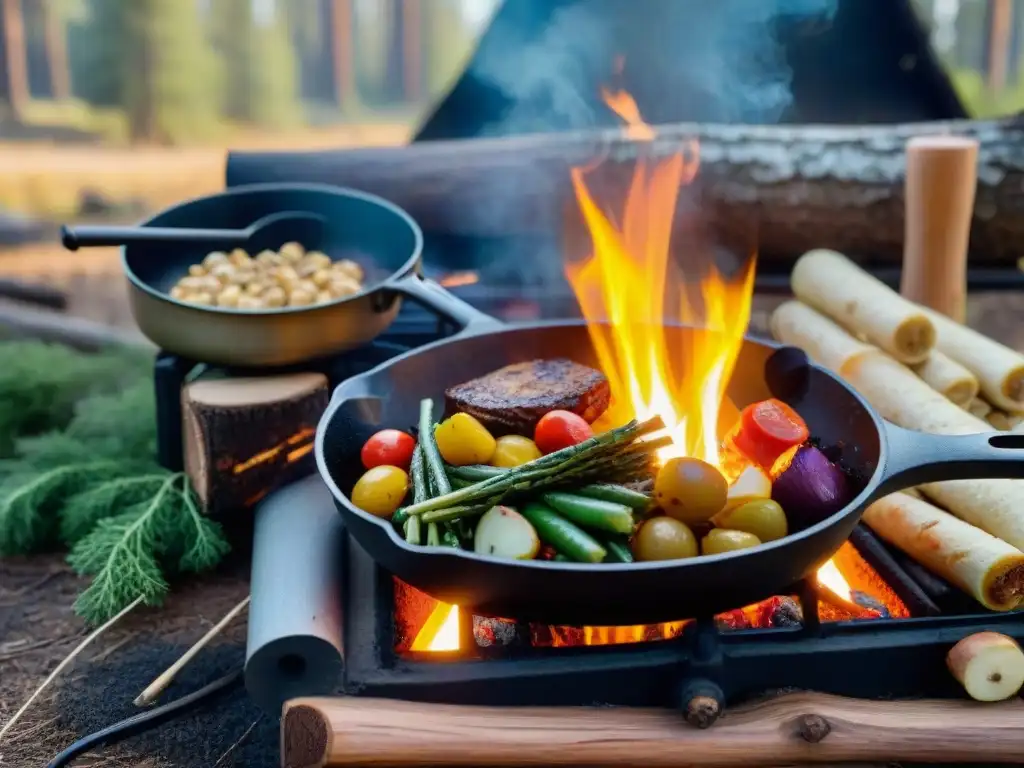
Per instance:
(878,557)
(33,293)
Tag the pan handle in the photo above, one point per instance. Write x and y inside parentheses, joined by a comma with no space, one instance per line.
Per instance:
(468,318)
(918,457)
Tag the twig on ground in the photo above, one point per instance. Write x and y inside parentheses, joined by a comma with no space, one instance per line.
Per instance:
(65,663)
(20,648)
(157,687)
(106,652)
(238,743)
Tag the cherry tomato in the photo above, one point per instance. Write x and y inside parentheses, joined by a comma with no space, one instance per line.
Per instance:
(560,429)
(390,447)
(380,490)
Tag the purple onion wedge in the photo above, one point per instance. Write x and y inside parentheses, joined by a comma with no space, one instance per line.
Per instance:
(811,488)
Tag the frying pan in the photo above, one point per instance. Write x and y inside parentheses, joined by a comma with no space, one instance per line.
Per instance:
(884,457)
(376,234)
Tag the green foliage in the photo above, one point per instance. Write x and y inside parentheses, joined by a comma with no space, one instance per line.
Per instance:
(127,554)
(86,481)
(260,76)
(980,101)
(150,58)
(58,380)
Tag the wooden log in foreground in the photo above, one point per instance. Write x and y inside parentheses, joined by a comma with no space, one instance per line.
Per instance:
(792,188)
(797,728)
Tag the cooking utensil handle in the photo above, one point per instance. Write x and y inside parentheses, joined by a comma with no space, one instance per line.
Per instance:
(434,297)
(74,238)
(918,457)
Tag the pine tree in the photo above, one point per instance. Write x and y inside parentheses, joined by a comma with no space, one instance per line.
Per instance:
(260,68)
(150,57)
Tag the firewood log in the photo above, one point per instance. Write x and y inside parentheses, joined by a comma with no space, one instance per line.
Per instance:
(798,728)
(785,189)
(243,437)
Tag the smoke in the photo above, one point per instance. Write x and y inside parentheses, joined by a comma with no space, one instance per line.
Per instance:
(715,61)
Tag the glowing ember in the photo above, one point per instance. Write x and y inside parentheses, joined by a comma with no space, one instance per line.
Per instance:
(626,290)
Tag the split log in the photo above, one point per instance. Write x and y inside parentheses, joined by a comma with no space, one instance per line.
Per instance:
(789,188)
(244,437)
(797,728)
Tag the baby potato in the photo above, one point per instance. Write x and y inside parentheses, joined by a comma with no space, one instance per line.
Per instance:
(215,258)
(268,258)
(301,298)
(322,278)
(350,268)
(285,276)
(258,287)
(248,301)
(317,259)
(223,272)
(179,293)
(292,251)
(340,288)
(240,258)
(204,298)
(229,296)
(197,270)
(275,296)
(242,276)
(323,297)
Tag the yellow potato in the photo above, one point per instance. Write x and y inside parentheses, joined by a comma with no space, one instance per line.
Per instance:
(246,301)
(292,251)
(197,270)
(275,297)
(240,258)
(229,296)
(215,258)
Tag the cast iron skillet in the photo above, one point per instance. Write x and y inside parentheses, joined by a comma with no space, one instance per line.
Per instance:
(378,235)
(884,456)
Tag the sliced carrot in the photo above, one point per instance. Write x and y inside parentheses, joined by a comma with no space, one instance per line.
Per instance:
(767,430)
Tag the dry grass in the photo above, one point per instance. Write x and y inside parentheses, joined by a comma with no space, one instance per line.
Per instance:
(47,180)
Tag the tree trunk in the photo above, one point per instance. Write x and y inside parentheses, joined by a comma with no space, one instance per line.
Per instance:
(783,189)
(15,63)
(55,42)
(412,50)
(343,73)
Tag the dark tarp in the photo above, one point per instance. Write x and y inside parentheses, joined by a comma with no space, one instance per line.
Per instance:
(541,63)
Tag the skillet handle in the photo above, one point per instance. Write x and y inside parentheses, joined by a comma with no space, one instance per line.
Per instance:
(917,457)
(468,318)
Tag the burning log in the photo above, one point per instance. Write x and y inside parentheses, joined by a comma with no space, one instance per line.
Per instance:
(798,728)
(245,437)
(786,188)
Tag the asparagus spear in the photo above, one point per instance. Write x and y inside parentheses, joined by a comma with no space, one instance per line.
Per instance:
(431,455)
(565,462)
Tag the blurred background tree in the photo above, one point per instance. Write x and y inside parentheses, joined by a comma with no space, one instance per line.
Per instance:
(173,71)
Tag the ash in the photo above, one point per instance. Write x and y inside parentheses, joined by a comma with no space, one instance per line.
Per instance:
(103,695)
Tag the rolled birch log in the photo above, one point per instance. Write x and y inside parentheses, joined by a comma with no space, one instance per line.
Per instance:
(988,569)
(900,396)
(832,284)
(978,407)
(947,377)
(999,369)
(824,342)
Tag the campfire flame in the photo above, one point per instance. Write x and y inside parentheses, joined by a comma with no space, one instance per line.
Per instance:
(629,287)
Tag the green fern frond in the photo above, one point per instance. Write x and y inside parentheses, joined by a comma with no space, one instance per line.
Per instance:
(29,503)
(84,510)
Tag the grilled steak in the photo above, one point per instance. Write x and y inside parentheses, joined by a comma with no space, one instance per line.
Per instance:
(513,398)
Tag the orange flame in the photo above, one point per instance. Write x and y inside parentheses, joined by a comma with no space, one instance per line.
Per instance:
(629,281)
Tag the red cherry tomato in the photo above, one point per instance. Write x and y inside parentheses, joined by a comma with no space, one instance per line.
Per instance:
(560,429)
(389,446)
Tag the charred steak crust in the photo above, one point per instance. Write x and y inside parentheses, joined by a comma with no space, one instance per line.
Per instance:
(513,398)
